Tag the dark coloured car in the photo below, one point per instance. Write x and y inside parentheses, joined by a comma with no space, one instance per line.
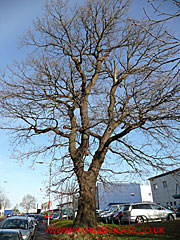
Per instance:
(169,207)
(177,211)
(56,216)
(105,216)
(10,234)
(40,217)
(109,208)
(115,218)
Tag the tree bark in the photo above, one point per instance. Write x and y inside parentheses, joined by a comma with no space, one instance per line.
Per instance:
(86,215)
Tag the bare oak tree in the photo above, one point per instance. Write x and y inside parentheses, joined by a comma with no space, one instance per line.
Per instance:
(99,84)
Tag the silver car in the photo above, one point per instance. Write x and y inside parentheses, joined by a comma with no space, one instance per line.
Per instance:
(21,223)
(144,212)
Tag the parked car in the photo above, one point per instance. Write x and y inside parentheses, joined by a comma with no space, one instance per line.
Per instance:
(143,212)
(32,215)
(8,215)
(33,222)
(177,211)
(67,216)
(109,208)
(56,216)
(115,218)
(40,217)
(169,207)
(104,217)
(21,223)
(49,215)
(10,234)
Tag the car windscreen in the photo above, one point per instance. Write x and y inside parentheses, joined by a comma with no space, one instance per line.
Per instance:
(107,208)
(40,217)
(9,236)
(122,207)
(113,208)
(126,207)
(31,215)
(117,213)
(56,215)
(15,224)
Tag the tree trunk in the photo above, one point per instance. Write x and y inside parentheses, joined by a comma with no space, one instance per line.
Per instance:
(86,215)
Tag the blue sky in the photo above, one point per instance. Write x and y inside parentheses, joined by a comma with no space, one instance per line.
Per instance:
(15,17)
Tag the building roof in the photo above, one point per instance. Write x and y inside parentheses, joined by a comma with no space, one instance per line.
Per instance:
(164,174)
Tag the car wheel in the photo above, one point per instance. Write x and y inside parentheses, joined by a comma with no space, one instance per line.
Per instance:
(139,219)
(170,217)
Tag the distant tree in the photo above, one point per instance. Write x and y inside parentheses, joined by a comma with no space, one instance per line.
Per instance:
(4,200)
(28,202)
(7,202)
(2,196)
(67,195)
(100,86)
(15,209)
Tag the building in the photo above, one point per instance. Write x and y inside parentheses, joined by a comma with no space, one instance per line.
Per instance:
(122,193)
(166,188)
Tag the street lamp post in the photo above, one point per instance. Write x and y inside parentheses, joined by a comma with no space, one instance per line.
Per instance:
(50,180)
(50,175)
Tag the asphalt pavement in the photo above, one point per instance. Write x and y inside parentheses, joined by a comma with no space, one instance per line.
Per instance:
(41,233)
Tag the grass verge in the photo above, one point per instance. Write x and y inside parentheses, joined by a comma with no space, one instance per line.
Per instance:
(62,230)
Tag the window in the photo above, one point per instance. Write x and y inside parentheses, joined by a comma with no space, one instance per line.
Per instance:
(15,223)
(141,206)
(155,207)
(145,206)
(155,186)
(164,183)
(171,203)
(136,206)
(174,203)
(149,194)
(9,235)
(126,207)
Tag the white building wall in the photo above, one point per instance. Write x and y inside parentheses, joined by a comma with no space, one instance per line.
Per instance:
(146,193)
(122,193)
(117,193)
(164,187)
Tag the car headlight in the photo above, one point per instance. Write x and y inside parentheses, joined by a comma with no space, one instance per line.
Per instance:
(25,237)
